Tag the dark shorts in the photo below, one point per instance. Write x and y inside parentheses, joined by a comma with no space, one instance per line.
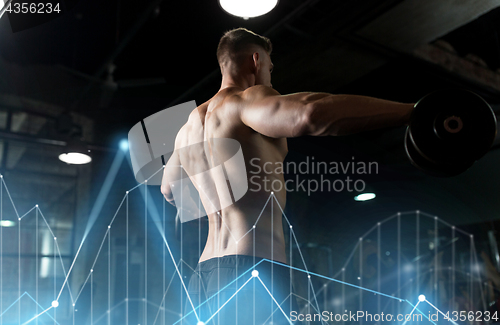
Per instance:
(214,286)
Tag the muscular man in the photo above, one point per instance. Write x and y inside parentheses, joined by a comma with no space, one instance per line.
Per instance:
(248,110)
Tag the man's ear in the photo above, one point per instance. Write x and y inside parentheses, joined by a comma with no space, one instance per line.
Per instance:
(256,61)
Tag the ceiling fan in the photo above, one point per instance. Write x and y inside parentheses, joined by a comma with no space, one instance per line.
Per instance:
(109,85)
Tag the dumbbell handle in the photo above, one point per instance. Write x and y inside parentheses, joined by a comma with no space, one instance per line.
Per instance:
(453,124)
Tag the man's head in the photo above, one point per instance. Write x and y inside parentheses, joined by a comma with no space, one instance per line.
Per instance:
(241,51)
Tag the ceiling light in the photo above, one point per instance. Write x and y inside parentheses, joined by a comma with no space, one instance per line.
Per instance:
(364,197)
(248,8)
(76,154)
(75,158)
(7,223)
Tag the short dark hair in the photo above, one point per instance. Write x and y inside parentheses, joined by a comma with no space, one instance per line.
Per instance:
(236,40)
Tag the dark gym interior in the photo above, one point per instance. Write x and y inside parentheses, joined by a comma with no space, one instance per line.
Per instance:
(100,67)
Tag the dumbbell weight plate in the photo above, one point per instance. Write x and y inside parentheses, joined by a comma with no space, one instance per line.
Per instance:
(452,125)
(430,167)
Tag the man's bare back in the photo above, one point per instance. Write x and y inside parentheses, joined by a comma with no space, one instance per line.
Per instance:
(231,229)
(248,110)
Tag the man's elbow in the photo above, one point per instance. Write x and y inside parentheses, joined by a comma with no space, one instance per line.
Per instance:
(304,124)
(170,199)
(315,121)
(167,194)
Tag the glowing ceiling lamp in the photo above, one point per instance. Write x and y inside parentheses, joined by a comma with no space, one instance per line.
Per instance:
(76,154)
(365,197)
(7,223)
(75,158)
(248,8)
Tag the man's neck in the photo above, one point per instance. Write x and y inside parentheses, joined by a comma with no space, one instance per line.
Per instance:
(243,82)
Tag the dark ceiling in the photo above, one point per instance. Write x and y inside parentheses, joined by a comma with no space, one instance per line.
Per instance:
(318,47)
(393,49)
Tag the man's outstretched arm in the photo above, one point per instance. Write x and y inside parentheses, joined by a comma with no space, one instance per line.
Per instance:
(319,114)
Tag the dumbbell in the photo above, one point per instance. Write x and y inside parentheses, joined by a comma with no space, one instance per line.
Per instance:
(449,130)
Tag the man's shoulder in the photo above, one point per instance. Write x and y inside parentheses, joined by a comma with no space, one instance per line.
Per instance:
(258,91)
(231,98)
